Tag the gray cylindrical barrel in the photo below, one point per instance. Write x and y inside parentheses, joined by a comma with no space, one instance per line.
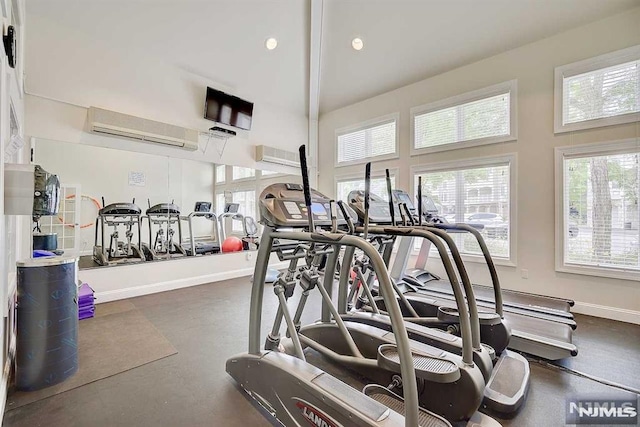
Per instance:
(45,241)
(47,322)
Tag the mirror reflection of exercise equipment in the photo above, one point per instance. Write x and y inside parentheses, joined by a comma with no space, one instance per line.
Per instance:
(46,201)
(249,226)
(127,215)
(163,245)
(201,245)
(231,212)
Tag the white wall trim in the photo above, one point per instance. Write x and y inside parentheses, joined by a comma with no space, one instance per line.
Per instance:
(576,151)
(487,161)
(510,87)
(606,312)
(136,291)
(591,64)
(389,118)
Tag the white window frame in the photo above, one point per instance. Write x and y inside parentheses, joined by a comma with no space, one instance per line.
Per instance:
(510,86)
(224,175)
(255,204)
(512,160)
(378,173)
(586,150)
(585,66)
(249,178)
(394,117)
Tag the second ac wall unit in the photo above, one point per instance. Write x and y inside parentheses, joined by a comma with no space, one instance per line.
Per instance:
(268,154)
(112,123)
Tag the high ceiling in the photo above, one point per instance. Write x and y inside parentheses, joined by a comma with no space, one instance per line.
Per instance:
(222,41)
(409,40)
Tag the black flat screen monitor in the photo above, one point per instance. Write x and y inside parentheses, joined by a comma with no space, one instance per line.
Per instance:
(231,207)
(203,207)
(227,109)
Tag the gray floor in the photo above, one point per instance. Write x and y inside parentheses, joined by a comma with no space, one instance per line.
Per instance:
(208,323)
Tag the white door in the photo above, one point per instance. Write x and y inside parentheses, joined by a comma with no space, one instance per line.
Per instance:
(67,223)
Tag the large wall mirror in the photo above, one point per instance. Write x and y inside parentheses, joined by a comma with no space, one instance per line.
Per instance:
(121,207)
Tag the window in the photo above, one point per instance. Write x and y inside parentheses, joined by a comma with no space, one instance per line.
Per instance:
(480,117)
(375,139)
(220,202)
(477,193)
(598,216)
(221,171)
(240,172)
(378,187)
(600,91)
(247,201)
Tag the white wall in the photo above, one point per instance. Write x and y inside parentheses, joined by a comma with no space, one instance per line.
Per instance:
(13,229)
(54,120)
(126,281)
(533,66)
(80,71)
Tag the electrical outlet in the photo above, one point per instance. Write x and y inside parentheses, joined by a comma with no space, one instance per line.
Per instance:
(524,273)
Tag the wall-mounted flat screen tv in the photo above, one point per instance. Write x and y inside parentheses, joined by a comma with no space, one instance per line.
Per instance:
(228,109)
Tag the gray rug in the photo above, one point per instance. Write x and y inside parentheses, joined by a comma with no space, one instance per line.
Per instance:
(118,339)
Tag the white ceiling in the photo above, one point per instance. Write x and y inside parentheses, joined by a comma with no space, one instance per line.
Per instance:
(409,40)
(222,42)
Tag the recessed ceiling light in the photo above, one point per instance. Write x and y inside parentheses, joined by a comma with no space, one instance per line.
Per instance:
(271,43)
(357,43)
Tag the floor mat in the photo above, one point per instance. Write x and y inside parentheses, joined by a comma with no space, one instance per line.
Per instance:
(118,339)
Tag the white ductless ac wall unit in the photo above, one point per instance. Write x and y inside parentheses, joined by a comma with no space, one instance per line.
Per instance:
(277,156)
(105,122)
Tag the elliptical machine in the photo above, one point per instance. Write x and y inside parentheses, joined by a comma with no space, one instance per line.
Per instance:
(114,215)
(287,386)
(164,245)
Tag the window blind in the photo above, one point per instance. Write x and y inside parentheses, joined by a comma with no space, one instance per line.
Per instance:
(376,140)
(220,202)
(220,173)
(601,93)
(240,172)
(477,196)
(247,201)
(600,213)
(482,118)
(378,187)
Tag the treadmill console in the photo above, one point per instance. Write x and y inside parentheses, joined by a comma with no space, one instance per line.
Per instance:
(231,207)
(282,205)
(202,207)
(400,196)
(378,208)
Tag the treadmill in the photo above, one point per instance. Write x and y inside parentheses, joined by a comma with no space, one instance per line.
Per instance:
(521,302)
(544,337)
(204,245)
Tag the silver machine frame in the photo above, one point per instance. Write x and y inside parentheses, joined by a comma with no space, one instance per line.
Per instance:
(277,379)
(101,254)
(168,218)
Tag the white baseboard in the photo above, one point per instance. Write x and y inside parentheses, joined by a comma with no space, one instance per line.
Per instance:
(619,314)
(170,285)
